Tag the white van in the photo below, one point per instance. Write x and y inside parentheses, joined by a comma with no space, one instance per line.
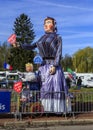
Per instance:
(87,79)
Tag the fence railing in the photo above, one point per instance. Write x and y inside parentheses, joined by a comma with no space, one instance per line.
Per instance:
(32,102)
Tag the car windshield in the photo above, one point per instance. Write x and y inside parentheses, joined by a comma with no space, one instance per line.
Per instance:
(12,77)
(2,75)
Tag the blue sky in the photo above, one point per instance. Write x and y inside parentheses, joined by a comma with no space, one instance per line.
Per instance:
(74,20)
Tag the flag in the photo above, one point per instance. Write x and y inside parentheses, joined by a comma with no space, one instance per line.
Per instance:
(12,39)
(69,70)
(18,86)
(7,66)
(70,76)
(70,73)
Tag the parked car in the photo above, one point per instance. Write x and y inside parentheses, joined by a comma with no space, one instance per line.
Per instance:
(9,80)
(2,75)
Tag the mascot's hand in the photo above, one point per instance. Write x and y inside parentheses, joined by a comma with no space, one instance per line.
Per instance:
(16,44)
(52,70)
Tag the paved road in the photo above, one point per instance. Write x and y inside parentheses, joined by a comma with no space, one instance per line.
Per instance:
(78,127)
(73,127)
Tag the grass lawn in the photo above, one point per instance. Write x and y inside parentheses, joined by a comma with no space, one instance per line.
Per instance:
(83,89)
(82,95)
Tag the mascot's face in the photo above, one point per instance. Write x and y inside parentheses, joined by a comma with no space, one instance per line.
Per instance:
(29,69)
(48,25)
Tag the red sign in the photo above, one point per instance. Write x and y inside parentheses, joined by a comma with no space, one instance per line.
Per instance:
(18,86)
(12,39)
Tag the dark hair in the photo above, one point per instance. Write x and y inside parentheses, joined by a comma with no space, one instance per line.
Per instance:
(54,22)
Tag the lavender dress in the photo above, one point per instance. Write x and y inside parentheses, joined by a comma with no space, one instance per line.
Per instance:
(53,89)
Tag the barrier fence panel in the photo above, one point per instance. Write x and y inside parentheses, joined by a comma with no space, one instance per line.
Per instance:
(82,102)
(37,103)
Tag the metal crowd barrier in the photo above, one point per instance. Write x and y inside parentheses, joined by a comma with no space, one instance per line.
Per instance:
(30,102)
(82,102)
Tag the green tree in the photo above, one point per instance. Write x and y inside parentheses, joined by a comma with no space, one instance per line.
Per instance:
(83,60)
(23,28)
(4,53)
(67,62)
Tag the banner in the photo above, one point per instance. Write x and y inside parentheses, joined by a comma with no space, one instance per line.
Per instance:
(5,98)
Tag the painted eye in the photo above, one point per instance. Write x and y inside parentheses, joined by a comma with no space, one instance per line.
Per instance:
(48,22)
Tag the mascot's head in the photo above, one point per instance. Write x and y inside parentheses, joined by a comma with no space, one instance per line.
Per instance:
(29,67)
(50,24)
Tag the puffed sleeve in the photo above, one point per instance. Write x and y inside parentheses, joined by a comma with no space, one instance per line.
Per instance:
(28,47)
(59,52)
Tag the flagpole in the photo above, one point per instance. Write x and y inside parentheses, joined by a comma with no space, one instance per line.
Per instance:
(5,69)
